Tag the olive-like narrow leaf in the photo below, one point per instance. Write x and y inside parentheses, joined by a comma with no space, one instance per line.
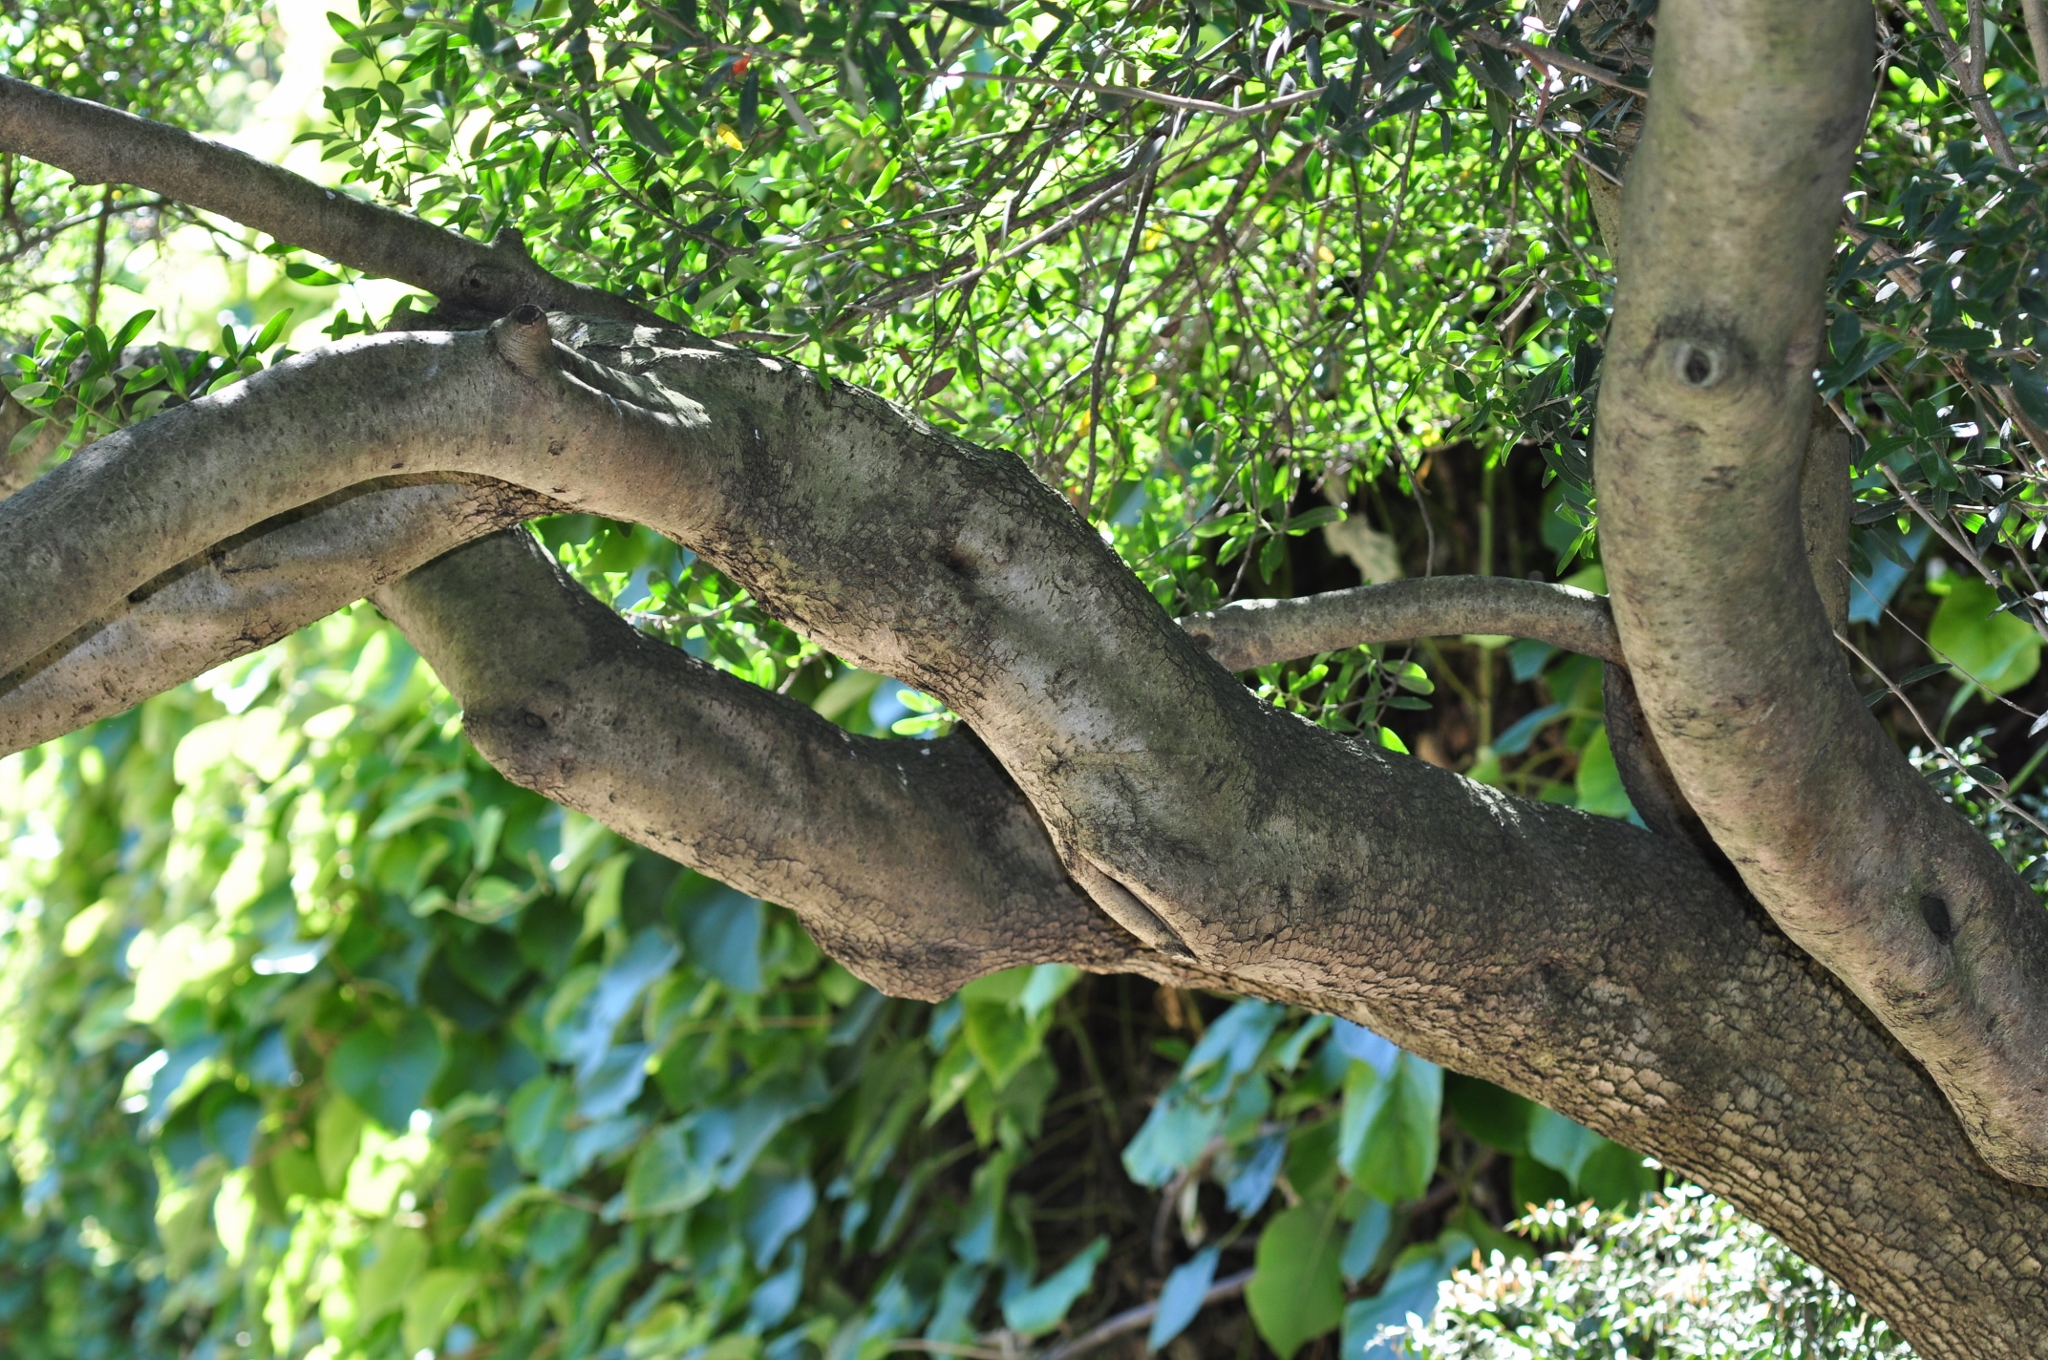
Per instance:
(643,128)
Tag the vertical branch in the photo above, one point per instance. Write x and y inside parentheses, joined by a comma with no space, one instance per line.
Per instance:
(2035,15)
(99,257)
(1966,61)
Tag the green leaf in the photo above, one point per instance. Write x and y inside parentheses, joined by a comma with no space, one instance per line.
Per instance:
(1043,1306)
(1500,1119)
(272,329)
(387,1270)
(1388,1136)
(1597,785)
(2030,390)
(1314,519)
(1180,1299)
(643,128)
(1998,651)
(433,1304)
(668,1173)
(337,1133)
(1297,1289)
(1367,1238)
(388,1074)
(1411,1287)
(1002,1040)
(26,435)
(130,328)
(1560,1144)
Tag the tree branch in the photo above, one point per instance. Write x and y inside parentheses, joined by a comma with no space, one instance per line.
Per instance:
(1605,976)
(1577,959)
(244,594)
(99,145)
(1253,633)
(915,863)
(1704,420)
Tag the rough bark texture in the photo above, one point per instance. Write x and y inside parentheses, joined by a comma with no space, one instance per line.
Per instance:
(1705,414)
(1124,803)
(1602,969)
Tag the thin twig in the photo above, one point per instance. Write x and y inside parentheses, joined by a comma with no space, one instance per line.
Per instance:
(1998,793)
(1962,549)
(1105,336)
(99,257)
(1968,66)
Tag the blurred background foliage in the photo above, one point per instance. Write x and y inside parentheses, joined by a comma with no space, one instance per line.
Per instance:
(322,1039)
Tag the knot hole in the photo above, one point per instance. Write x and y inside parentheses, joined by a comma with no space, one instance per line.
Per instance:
(1934,912)
(1697,366)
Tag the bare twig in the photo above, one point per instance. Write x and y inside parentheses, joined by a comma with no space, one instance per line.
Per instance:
(1967,63)
(1962,549)
(1998,794)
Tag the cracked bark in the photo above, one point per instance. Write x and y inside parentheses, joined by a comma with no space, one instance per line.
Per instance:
(1124,803)
(1576,960)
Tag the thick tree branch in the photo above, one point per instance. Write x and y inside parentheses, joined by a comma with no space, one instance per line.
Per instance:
(913,862)
(1598,968)
(245,594)
(99,145)
(1728,222)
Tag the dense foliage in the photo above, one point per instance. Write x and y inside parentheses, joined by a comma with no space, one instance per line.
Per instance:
(1685,1277)
(320,1038)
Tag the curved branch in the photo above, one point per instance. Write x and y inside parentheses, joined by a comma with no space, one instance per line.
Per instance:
(1706,403)
(913,862)
(141,501)
(99,145)
(1580,960)
(244,594)
(1253,633)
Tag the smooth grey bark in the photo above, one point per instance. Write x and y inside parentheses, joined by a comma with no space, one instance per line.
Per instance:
(1255,633)
(1706,404)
